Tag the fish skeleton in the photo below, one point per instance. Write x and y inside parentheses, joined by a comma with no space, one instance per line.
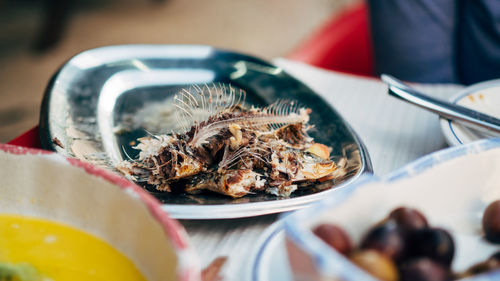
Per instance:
(233,150)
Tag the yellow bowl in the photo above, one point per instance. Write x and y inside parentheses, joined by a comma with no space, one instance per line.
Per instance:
(42,184)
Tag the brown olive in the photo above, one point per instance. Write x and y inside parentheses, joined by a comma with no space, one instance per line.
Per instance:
(434,243)
(385,238)
(376,264)
(335,237)
(493,262)
(491,222)
(423,269)
(408,219)
(481,267)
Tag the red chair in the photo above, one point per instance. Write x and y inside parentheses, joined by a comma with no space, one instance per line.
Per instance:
(30,138)
(341,44)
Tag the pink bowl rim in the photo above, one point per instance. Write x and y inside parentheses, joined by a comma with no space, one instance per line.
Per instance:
(187,269)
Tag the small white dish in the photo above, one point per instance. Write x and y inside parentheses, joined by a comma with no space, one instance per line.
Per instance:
(269,260)
(483,97)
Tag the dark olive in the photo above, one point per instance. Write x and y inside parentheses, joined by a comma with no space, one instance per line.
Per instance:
(408,219)
(386,238)
(495,256)
(491,222)
(376,264)
(434,243)
(335,237)
(423,269)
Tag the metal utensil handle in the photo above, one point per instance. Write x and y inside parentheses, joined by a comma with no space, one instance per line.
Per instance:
(448,110)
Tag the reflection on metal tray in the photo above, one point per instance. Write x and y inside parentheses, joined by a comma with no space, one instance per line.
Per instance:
(102,100)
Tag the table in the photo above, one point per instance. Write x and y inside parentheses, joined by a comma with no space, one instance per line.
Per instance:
(394,132)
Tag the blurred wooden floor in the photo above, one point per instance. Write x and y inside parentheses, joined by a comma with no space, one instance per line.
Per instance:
(260,27)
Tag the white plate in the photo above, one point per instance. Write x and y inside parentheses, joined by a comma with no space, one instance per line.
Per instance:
(451,187)
(483,97)
(269,260)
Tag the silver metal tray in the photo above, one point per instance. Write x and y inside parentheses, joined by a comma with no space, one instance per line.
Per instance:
(103,99)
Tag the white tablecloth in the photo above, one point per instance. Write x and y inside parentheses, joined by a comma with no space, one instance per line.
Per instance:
(394,132)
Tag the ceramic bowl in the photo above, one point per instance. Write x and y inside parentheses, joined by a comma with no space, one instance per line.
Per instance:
(483,97)
(451,187)
(46,185)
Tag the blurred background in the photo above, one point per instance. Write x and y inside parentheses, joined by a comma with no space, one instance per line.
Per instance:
(37,37)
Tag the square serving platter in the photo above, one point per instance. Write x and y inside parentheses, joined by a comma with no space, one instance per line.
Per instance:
(99,102)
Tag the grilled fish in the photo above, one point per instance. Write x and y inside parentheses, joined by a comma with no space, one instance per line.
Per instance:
(232,149)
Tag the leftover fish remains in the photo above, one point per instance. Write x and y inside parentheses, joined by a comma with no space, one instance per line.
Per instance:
(233,150)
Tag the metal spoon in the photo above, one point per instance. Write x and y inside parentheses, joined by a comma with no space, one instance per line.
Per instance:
(484,123)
